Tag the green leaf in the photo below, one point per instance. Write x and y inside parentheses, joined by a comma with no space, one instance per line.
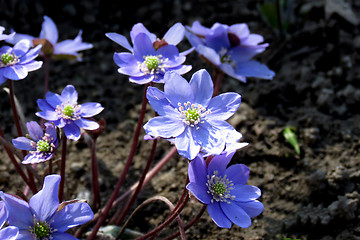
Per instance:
(290,137)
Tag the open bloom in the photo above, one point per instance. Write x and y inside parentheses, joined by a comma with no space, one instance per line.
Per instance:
(16,62)
(189,116)
(150,58)
(224,190)
(41,146)
(64,111)
(49,39)
(231,49)
(8,233)
(44,217)
(4,36)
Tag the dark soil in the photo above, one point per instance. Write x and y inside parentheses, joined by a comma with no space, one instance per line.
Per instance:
(316,89)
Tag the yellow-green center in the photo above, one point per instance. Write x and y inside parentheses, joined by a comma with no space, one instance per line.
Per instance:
(68,110)
(192,115)
(41,230)
(219,188)
(43,146)
(152,62)
(7,58)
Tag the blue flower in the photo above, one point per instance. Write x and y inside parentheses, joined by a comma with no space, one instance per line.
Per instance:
(43,217)
(224,190)
(230,48)
(41,146)
(16,62)
(8,233)
(49,39)
(4,36)
(150,58)
(189,116)
(65,112)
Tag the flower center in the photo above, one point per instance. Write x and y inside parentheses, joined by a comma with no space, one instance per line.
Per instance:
(192,114)
(152,64)
(219,187)
(68,110)
(43,146)
(41,230)
(8,59)
(225,57)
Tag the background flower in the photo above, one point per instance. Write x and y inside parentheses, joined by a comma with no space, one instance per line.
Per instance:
(4,36)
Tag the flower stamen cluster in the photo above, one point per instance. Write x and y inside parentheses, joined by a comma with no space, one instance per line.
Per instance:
(219,188)
(68,111)
(8,59)
(153,64)
(41,230)
(193,114)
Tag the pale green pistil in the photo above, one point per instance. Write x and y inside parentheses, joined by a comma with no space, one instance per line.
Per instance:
(152,62)
(43,146)
(68,110)
(7,58)
(192,115)
(219,188)
(41,230)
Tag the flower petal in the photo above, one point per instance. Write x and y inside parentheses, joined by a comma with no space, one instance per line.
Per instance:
(21,47)
(72,215)
(186,145)
(224,106)
(15,72)
(202,87)
(209,54)
(3,214)
(120,39)
(160,103)
(200,192)
(238,173)
(86,124)
(9,233)
(197,171)
(72,131)
(62,236)
(31,54)
(165,127)
(23,143)
(25,235)
(199,29)
(254,69)
(48,115)
(45,203)
(219,163)
(35,131)
(53,99)
(125,59)
(139,28)
(211,138)
(252,208)
(175,34)
(18,37)
(245,193)
(236,214)
(90,109)
(218,40)
(69,94)
(177,89)
(143,47)
(32,66)
(49,30)
(18,210)
(218,216)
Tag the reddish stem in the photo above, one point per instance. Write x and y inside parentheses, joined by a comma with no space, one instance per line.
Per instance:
(95,176)
(217,79)
(62,167)
(126,168)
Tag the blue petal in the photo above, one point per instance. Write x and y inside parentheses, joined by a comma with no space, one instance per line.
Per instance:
(3,214)
(72,131)
(120,39)
(245,193)
(252,208)
(50,129)
(54,99)
(236,214)
(209,54)
(49,30)
(30,55)
(48,115)
(21,47)
(35,131)
(175,34)
(200,192)
(45,203)
(34,158)
(25,235)
(224,106)
(9,233)
(165,127)
(218,216)
(238,173)
(72,215)
(186,146)
(172,53)
(23,143)
(254,69)
(218,39)
(125,59)
(197,171)
(202,87)
(133,71)
(229,70)
(177,89)
(33,65)
(86,124)
(90,109)
(194,40)
(241,30)
(143,79)
(219,163)
(143,47)
(15,72)
(44,105)
(69,94)
(211,138)
(199,29)
(182,69)
(140,29)
(18,210)
(159,103)
(62,236)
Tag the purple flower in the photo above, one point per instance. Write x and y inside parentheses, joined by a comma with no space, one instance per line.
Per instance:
(4,36)
(150,58)
(8,233)
(49,39)
(41,146)
(43,217)
(189,116)
(65,112)
(16,62)
(224,190)
(230,48)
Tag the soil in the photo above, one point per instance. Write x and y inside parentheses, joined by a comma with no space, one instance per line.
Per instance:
(314,195)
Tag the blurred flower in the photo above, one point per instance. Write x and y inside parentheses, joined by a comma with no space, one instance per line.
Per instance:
(41,146)
(43,217)
(16,62)
(65,112)
(4,36)
(8,233)
(224,190)
(189,116)
(230,48)
(49,35)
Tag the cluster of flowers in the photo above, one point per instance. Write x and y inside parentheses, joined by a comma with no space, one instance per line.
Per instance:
(189,116)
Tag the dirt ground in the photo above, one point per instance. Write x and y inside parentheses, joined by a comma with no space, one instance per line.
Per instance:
(316,90)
